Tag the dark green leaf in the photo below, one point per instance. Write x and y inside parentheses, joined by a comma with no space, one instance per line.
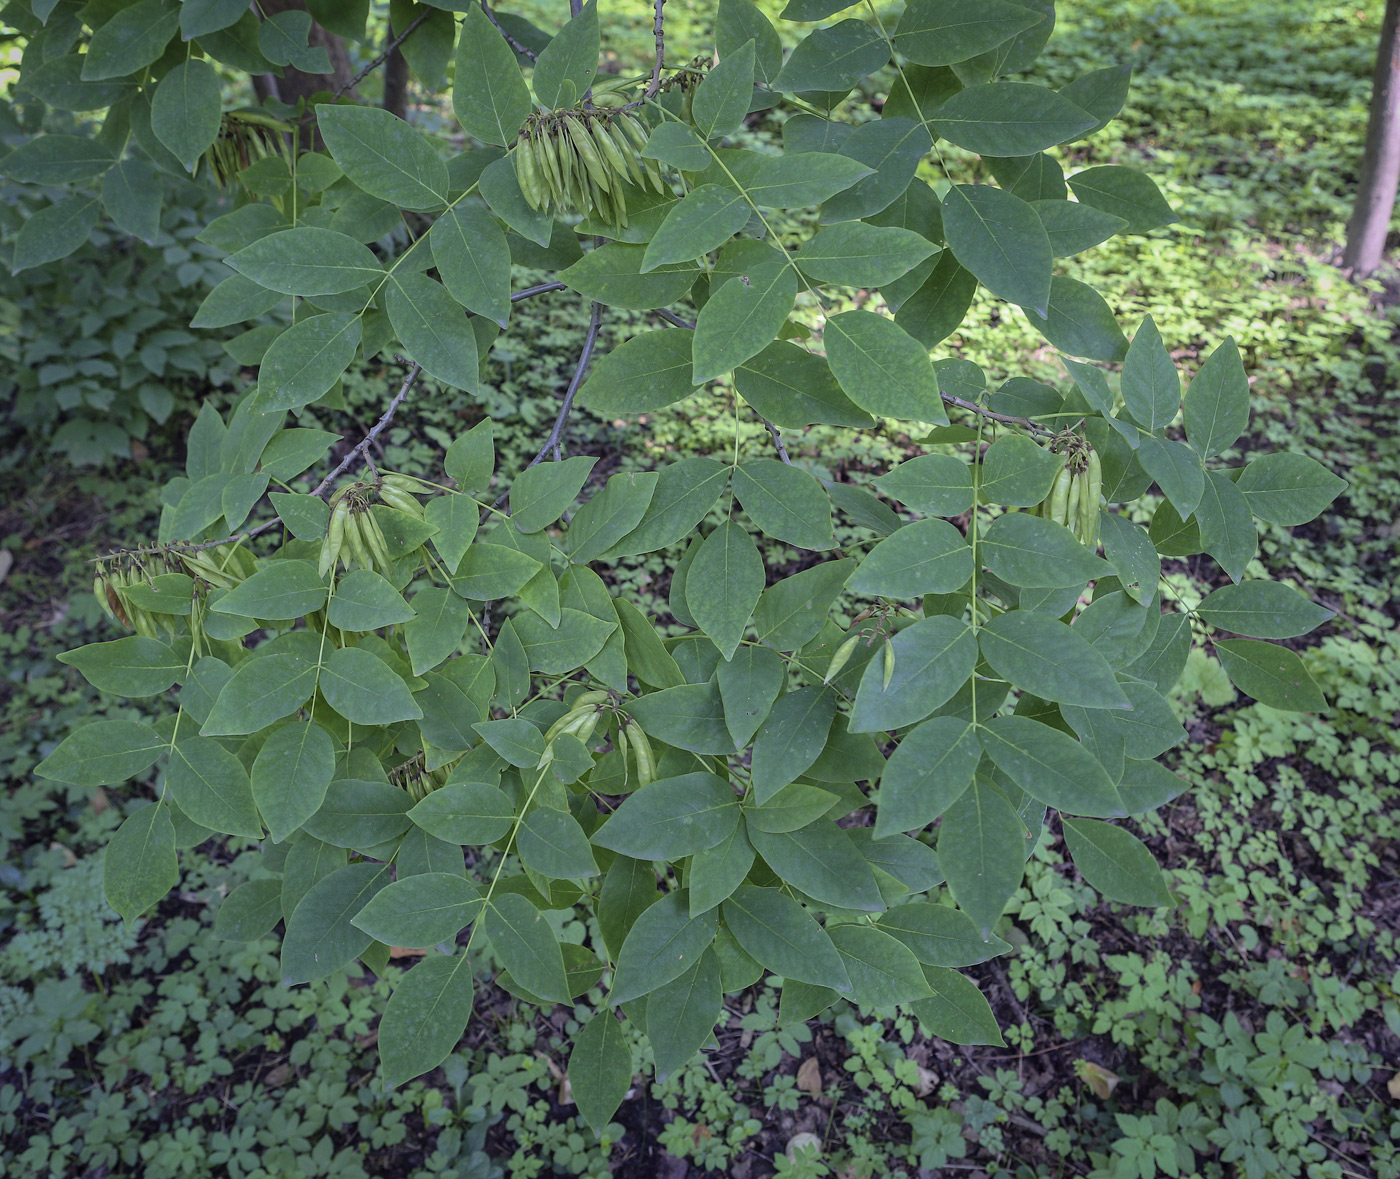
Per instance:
(1287,489)
(1042,655)
(600,1069)
(1116,863)
(881,368)
(320,936)
(527,946)
(384,156)
(140,865)
(1273,675)
(957,1012)
(940,936)
(1001,240)
(933,659)
(425,1017)
(925,557)
(926,774)
(982,847)
(777,932)
(489,95)
(663,943)
(648,372)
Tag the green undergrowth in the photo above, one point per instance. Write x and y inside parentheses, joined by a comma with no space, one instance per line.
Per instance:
(1251,1031)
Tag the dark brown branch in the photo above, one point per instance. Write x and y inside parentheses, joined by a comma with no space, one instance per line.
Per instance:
(511,41)
(777,440)
(543,289)
(658,29)
(555,440)
(671,317)
(383,57)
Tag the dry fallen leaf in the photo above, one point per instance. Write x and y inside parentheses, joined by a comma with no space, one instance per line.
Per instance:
(809,1077)
(1099,1079)
(405,952)
(1393,1087)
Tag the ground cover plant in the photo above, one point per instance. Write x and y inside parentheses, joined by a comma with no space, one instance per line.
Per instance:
(933,1137)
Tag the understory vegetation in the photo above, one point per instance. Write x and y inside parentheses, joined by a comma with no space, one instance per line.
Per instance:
(1251,1030)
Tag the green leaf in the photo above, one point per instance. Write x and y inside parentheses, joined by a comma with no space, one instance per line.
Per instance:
(282,589)
(935,484)
(364,601)
(540,494)
(307,261)
(553,844)
(859,255)
(384,156)
(785,503)
(1151,387)
(1271,674)
(185,110)
(1042,655)
(799,179)
(292,451)
(738,21)
(515,739)
(791,612)
(892,147)
(648,372)
(467,813)
(471,459)
(1125,193)
(982,847)
(1227,528)
(527,946)
(1010,119)
(927,772)
(558,650)
(133,38)
(471,256)
(54,232)
(1116,863)
(685,492)
(724,584)
(933,659)
(499,187)
(716,872)
(1261,610)
(140,865)
(882,368)
(672,818)
(290,776)
(883,971)
(940,936)
(610,515)
(1287,489)
(795,805)
(1018,472)
(791,739)
(249,912)
(833,58)
(647,657)
(936,309)
(1030,552)
(1073,227)
(681,1016)
(822,862)
(435,634)
(321,936)
(742,317)
(57,159)
(489,95)
(663,943)
(132,667)
(491,571)
(1001,240)
(748,685)
(1130,552)
(1100,92)
(690,717)
(779,933)
(1080,322)
(677,144)
(211,786)
(925,557)
(1177,470)
(1050,766)
(103,753)
(793,388)
(421,910)
(958,1012)
(703,220)
(722,99)
(944,32)
(567,65)
(132,194)
(261,691)
(365,690)
(426,1016)
(600,1069)
(360,813)
(283,37)
(1217,401)
(306,360)
(432,327)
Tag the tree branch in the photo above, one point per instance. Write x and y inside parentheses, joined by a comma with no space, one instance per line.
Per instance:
(511,41)
(669,317)
(543,289)
(383,57)
(556,435)
(658,29)
(777,440)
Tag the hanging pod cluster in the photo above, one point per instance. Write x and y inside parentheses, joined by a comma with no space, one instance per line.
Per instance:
(1074,498)
(581,159)
(354,536)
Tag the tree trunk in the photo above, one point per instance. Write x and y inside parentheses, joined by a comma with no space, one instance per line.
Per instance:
(396,83)
(295,85)
(1380,165)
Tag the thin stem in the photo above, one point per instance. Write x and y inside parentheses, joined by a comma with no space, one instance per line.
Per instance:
(671,317)
(777,440)
(659,30)
(555,440)
(1005,418)
(511,41)
(388,49)
(543,289)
